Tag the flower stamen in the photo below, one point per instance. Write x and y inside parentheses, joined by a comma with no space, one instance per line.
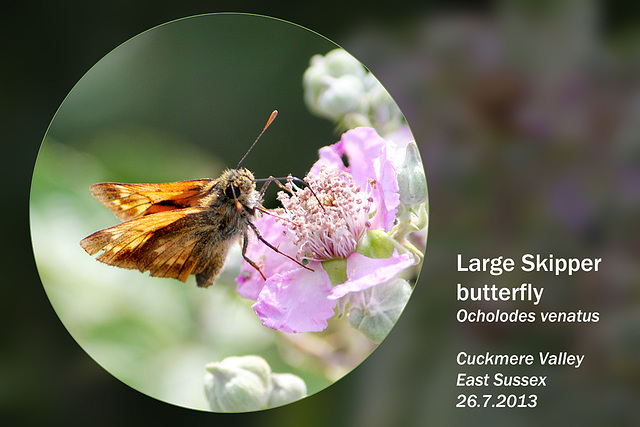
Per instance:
(329,221)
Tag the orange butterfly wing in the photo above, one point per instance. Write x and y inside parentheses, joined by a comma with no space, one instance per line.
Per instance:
(130,201)
(174,243)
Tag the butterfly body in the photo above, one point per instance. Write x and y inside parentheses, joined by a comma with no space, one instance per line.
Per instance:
(176,229)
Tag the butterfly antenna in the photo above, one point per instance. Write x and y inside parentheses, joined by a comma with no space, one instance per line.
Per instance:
(272,117)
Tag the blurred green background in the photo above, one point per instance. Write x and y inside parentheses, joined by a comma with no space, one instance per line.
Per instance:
(526,116)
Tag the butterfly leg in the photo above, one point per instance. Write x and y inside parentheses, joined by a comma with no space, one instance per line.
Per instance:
(277,181)
(245,243)
(259,236)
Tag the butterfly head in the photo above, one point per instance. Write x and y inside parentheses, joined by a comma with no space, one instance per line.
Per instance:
(238,186)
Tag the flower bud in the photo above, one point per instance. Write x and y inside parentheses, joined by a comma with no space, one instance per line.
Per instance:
(339,96)
(255,364)
(339,63)
(238,384)
(374,311)
(287,388)
(412,183)
(339,88)
(333,85)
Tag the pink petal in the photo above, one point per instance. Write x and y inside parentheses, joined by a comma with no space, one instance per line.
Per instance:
(364,272)
(330,157)
(249,281)
(386,195)
(296,301)
(362,146)
(368,160)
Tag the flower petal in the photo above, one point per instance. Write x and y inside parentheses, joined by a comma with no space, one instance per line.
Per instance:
(249,281)
(361,146)
(386,195)
(330,157)
(296,301)
(364,272)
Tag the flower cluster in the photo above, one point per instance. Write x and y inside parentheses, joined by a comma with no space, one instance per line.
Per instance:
(339,88)
(341,225)
(246,383)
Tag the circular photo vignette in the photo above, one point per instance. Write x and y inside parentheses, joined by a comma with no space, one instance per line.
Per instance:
(228,212)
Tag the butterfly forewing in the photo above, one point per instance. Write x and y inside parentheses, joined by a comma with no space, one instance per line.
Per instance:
(130,201)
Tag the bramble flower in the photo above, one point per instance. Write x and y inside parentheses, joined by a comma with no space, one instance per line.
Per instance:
(341,226)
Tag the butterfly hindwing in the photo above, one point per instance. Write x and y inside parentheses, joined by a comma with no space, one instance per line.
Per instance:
(174,243)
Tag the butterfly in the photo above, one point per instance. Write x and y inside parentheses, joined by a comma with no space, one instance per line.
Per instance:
(184,228)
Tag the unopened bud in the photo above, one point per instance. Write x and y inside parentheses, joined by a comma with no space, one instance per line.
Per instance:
(412,182)
(339,63)
(287,388)
(374,311)
(339,96)
(333,85)
(238,384)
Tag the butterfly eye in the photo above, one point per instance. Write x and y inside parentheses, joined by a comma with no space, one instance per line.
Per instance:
(232,192)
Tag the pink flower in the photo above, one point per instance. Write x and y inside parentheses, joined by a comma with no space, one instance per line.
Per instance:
(356,198)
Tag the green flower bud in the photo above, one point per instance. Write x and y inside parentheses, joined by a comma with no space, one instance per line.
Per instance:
(313,81)
(339,96)
(374,311)
(238,384)
(255,364)
(338,87)
(412,182)
(333,85)
(287,388)
(339,63)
